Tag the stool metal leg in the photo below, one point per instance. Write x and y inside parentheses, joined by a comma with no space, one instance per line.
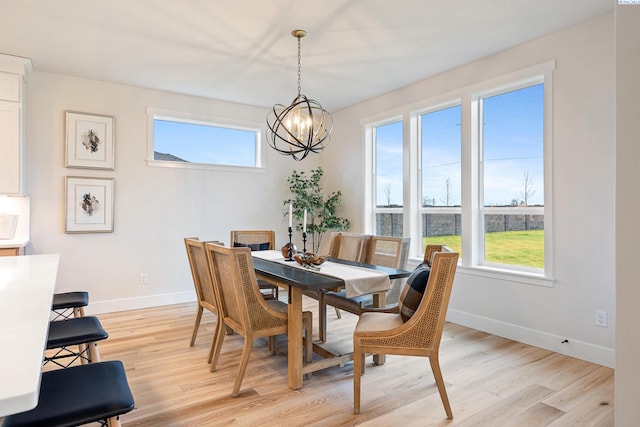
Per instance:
(88,354)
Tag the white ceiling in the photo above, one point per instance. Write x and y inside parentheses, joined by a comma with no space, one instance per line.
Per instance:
(242,50)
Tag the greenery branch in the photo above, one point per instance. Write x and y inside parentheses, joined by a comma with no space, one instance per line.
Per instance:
(306,193)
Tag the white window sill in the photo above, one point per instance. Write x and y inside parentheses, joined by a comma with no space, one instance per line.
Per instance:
(507,275)
(189,165)
(496,273)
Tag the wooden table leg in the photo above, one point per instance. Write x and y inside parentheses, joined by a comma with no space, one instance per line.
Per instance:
(379,301)
(295,337)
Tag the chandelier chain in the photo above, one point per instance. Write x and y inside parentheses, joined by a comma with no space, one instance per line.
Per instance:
(299,67)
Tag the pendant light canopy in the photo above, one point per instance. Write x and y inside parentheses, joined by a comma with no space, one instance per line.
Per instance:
(301,128)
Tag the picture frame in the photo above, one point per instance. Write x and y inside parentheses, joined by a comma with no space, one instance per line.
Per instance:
(89,204)
(90,141)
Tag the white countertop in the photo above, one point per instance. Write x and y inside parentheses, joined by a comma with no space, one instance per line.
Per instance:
(27,284)
(14,243)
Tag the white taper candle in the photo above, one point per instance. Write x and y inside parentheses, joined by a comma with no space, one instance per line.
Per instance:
(304,222)
(290,215)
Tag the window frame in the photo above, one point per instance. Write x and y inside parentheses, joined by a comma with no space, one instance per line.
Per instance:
(472,226)
(424,210)
(480,234)
(370,137)
(258,128)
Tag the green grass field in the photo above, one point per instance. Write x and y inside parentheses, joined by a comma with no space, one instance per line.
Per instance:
(508,247)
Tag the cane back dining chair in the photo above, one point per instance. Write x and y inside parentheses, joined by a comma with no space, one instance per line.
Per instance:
(347,246)
(201,274)
(257,240)
(420,335)
(381,250)
(244,310)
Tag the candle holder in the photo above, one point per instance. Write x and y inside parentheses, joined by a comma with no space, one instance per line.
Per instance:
(290,250)
(304,242)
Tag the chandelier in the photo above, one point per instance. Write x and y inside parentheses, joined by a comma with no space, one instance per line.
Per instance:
(302,127)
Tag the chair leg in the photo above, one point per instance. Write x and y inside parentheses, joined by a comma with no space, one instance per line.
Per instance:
(114,422)
(244,360)
(216,345)
(196,325)
(322,317)
(214,338)
(357,373)
(437,374)
(92,352)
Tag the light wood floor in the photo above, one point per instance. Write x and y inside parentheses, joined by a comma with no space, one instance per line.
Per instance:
(491,381)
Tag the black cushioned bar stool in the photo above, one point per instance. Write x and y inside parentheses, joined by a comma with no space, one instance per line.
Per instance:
(85,332)
(67,303)
(79,395)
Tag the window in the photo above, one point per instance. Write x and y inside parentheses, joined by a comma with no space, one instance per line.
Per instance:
(388,153)
(182,140)
(441,180)
(478,175)
(513,177)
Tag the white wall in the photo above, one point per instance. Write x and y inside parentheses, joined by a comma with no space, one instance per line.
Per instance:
(155,208)
(583,169)
(627,33)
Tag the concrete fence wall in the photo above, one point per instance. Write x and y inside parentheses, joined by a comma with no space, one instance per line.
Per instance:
(390,224)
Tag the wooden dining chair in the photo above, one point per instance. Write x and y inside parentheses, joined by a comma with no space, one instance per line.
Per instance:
(347,246)
(201,273)
(244,310)
(350,246)
(257,240)
(381,250)
(391,332)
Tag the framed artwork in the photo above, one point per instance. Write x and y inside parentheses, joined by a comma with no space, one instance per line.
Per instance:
(90,141)
(89,205)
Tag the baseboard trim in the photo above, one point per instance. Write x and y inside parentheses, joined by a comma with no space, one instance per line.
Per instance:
(574,348)
(124,304)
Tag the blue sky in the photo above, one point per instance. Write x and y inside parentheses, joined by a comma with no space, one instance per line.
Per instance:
(205,144)
(513,148)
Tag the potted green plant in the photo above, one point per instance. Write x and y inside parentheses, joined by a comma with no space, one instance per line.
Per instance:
(306,193)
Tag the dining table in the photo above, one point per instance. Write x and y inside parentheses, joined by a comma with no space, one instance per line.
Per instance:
(27,284)
(357,278)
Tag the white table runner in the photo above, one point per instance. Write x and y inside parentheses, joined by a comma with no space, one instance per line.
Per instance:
(358,280)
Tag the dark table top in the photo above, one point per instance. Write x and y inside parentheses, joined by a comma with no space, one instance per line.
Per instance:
(310,280)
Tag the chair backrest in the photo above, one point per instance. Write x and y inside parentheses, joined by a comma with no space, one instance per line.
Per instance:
(388,251)
(201,273)
(234,277)
(349,246)
(430,250)
(257,240)
(428,321)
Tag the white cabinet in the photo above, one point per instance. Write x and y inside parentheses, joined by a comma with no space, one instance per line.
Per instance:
(13,71)
(11,148)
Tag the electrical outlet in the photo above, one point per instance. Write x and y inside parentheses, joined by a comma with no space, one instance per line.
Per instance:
(601,318)
(144,279)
